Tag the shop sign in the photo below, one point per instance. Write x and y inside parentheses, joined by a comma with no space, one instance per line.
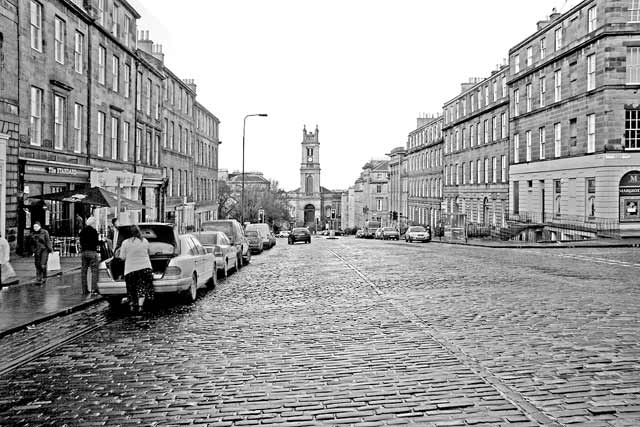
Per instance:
(630,184)
(51,170)
(115,179)
(35,169)
(61,171)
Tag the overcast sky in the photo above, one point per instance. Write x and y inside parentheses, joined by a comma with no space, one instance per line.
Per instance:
(362,70)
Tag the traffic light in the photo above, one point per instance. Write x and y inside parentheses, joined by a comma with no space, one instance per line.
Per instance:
(395,215)
(333,214)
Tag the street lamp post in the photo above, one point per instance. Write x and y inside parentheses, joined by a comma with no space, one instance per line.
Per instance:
(244,125)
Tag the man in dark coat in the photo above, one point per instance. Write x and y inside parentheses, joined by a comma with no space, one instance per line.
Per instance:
(89,241)
(41,248)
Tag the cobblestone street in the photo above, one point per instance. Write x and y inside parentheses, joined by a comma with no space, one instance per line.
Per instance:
(354,332)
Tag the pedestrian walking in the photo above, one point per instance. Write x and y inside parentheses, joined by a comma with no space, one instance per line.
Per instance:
(89,241)
(41,248)
(79,224)
(6,270)
(137,269)
(111,232)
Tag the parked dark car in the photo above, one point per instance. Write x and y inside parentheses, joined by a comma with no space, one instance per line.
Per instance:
(255,241)
(300,234)
(389,233)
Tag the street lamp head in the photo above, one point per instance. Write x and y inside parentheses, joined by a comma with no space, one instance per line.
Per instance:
(262,115)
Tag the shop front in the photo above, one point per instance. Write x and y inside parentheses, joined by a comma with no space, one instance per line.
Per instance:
(629,193)
(62,220)
(126,184)
(152,195)
(183,215)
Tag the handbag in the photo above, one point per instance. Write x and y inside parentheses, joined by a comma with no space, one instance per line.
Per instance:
(7,272)
(53,263)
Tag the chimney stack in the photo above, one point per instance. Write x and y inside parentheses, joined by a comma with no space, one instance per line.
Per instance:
(144,44)
(191,83)
(554,14)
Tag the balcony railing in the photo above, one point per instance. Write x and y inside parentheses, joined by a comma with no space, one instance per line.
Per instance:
(598,227)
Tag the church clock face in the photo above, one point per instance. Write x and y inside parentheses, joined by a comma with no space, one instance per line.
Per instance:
(309,159)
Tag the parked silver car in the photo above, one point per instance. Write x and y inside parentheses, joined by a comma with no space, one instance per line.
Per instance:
(217,243)
(417,233)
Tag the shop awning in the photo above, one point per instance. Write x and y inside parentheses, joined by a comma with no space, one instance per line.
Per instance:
(94,196)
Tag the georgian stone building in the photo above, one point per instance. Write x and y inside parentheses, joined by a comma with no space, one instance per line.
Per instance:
(424,171)
(398,184)
(312,205)
(575,120)
(91,113)
(9,120)
(476,144)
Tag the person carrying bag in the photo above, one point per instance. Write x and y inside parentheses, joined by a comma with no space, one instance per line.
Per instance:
(41,248)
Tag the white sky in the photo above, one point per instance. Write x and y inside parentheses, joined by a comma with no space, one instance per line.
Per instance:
(362,70)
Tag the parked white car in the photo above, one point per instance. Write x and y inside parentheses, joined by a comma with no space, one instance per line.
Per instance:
(180,263)
(217,243)
(417,233)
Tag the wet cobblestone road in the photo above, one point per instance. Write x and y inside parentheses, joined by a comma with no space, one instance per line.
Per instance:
(348,331)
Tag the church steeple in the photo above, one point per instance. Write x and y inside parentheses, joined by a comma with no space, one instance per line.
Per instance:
(310,162)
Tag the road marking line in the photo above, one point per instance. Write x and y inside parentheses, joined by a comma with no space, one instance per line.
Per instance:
(581,257)
(508,393)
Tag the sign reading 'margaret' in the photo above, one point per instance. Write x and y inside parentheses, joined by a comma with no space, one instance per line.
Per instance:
(630,184)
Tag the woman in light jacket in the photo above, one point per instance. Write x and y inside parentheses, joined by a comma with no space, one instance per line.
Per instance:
(5,267)
(137,269)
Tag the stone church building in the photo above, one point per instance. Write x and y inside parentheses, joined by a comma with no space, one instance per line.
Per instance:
(311,204)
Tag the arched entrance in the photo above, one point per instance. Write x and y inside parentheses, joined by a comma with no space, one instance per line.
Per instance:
(309,215)
(485,211)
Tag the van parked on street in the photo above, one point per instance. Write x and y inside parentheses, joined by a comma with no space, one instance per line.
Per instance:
(264,231)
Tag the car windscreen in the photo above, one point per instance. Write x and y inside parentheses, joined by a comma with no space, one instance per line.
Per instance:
(417,229)
(251,233)
(388,229)
(160,237)
(207,238)
(225,227)
(300,231)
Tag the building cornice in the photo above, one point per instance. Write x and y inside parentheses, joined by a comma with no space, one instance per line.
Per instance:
(551,24)
(563,53)
(477,113)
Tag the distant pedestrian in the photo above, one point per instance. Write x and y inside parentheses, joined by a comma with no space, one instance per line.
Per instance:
(137,269)
(111,232)
(79,224)
(6,270)
(89,244)
(41,248)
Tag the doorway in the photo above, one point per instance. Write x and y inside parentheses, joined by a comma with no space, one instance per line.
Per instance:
(309,215)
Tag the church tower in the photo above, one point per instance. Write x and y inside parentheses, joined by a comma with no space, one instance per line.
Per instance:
(310,164)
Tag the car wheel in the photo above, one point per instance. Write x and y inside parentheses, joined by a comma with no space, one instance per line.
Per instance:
(239,262)
(247,260)
(192,292)
(213,282)
(225,272)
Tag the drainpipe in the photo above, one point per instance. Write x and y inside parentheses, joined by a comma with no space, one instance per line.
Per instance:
(135,113)
(89,90)
(20,180)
